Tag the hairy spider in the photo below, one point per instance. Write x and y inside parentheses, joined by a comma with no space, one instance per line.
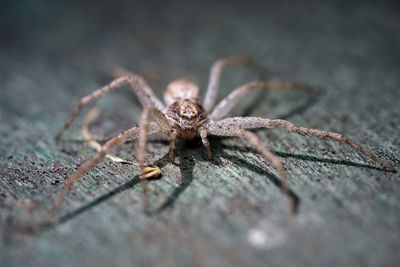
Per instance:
(182,115)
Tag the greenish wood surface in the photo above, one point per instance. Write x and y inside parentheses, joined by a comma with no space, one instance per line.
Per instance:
(228,211)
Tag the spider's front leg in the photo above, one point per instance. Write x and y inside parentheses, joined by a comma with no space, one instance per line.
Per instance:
(204,139)
(140,132)
(259,122)
(164,126)
(130,134)
(172,137)
(147,172)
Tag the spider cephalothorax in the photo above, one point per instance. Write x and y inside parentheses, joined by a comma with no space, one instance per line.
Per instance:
(186,117)
(183,115)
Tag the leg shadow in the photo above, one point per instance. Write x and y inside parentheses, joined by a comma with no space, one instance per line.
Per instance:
(130,184)
(274,179)
(308,158)
(310,101)
(186,166)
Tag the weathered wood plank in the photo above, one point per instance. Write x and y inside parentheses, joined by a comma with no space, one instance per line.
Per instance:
(224,212)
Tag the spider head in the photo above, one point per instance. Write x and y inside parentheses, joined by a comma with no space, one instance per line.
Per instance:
(181,90)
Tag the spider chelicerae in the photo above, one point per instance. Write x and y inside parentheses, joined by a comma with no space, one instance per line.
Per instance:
(183,115)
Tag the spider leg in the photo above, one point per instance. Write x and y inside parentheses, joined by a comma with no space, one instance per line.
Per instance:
(220,127)
(172,138)
(130,134)
(139,86)
(206,144)
(215,76)
(164,126)
(226,104)
(89,119)
(236,130)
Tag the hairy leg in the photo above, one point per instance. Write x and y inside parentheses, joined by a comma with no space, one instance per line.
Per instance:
(226,104)
(220,127)
(172,138)
(162,123)
(139,86)
(89,119)
(215,76)
(148,171)
(206,144)
(130,134)
(164,126)
(276,162)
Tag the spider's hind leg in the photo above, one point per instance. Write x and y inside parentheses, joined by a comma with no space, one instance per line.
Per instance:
(216,72)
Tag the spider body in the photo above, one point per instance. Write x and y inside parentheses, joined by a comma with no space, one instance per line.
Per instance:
(184,112)
(183,115)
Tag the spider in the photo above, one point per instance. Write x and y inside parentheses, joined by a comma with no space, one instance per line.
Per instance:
(182,115)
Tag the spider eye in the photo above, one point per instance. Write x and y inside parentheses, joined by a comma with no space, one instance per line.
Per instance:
(188,110)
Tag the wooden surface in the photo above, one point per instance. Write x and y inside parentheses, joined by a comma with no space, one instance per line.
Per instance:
(224,212)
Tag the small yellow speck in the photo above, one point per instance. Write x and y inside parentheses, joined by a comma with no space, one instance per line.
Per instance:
(149,172)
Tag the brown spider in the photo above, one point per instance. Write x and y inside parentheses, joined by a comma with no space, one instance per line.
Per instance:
(182,115)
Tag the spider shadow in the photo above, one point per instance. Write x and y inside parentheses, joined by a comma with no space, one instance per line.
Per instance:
(274,179)
(187,163)
(302,107)
(127,185)
(308,158)
(186,166)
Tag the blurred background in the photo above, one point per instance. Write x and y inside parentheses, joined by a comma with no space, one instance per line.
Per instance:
(227,212)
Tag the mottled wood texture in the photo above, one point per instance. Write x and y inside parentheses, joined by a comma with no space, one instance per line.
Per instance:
(228,211)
